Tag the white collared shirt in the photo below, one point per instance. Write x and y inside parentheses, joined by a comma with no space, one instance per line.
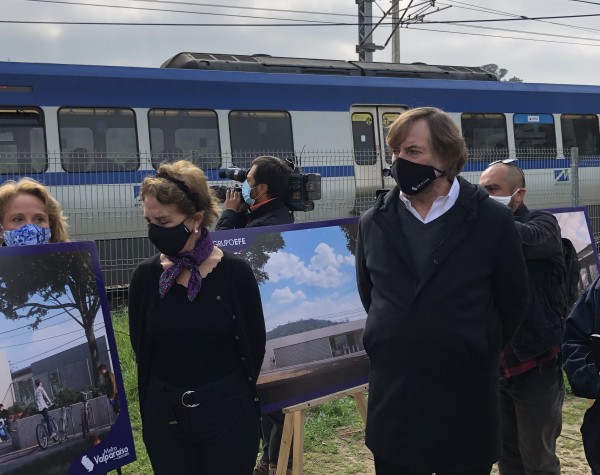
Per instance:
(439,206)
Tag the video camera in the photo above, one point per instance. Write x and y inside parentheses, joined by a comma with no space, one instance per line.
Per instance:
(303,188)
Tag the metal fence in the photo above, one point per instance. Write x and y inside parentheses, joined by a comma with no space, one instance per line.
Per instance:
(101,203)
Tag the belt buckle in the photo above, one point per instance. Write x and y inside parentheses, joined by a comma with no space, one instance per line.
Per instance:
(183,399)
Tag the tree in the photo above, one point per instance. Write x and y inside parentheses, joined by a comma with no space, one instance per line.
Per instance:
(257,254)
(500,72)
(350,232)
(33,286)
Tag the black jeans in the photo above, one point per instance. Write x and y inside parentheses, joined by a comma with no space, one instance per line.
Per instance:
(220,436)
(44,413)
(531,406)
(383,467)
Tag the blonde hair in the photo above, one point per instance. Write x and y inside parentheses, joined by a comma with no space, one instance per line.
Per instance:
(166,192)
(58,222)
(444,136)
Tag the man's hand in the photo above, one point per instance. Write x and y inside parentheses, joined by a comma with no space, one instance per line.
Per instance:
(233,200)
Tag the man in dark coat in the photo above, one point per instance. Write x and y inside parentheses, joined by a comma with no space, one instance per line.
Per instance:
(581,360)
(261,201)
(442,277)
(531,386)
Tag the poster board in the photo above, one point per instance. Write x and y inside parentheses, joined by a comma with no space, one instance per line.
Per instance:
(313,314)
(575,225)
(55,327)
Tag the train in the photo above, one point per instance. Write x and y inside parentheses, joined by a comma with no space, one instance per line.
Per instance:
(92,133)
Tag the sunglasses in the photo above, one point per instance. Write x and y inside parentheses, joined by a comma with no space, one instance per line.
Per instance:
(506,161)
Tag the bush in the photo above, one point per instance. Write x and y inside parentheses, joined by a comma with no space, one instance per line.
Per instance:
(65,397)
(30,410)
(16,408)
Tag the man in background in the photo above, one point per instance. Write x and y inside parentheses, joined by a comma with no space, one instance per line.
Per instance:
(531,386)
(109,385)
(261,203)
(42,401)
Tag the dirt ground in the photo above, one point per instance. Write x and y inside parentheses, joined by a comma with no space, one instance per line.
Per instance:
(358,460)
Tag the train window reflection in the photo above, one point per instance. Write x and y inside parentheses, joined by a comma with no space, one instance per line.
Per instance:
(94,140)
(535,136)
(22,141)
(185,134)
(255,133)
(485,135)
(580,130)
(363,138)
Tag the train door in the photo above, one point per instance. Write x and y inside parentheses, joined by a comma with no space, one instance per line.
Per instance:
(371,154)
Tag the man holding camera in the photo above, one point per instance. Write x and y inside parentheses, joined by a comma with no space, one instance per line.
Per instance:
(261,201)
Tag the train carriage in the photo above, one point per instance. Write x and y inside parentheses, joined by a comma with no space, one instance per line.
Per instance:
(92,133)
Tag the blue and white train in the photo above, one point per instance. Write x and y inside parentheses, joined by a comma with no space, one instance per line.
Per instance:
(92,133)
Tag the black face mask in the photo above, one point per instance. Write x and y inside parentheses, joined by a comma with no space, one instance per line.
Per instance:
(413,178)
(169,241)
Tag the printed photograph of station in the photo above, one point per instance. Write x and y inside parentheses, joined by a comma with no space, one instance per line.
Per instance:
(52,331)
(574,225)
(313,314)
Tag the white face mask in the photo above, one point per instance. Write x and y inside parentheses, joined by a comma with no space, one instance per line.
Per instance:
(505,200)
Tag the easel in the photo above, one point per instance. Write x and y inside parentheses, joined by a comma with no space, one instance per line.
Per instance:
(293,427)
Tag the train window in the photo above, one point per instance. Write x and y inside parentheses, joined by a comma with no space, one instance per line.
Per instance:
(185,134)
(534,135)
(485,135)
(387,120)
(255,133)
(98,139)
(363,138)
(581,131)
(22,141)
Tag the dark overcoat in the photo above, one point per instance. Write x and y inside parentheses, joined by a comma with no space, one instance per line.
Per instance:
(434,341)
(579,366)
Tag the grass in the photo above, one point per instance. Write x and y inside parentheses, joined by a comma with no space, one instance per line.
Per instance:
(129,371)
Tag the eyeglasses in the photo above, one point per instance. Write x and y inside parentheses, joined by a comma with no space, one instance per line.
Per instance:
(506,161)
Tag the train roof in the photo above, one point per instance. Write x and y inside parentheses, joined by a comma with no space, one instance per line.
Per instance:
(262,63)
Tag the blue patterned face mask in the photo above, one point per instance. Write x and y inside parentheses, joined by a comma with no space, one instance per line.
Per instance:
(27,235)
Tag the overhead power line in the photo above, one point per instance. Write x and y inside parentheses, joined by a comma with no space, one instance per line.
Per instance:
(311,24)
(165,10)
(237,7)
(502,36)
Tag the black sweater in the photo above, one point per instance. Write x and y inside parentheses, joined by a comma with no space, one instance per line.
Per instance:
(231,287)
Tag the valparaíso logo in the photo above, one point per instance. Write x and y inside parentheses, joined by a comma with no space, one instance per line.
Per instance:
(111,453)
(87,463)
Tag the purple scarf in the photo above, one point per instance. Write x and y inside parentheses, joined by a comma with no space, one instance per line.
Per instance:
(187,260)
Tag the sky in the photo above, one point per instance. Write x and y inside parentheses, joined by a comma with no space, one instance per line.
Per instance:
(551,50)
(313,276)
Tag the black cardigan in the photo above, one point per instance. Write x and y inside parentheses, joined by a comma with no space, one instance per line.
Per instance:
(239,295)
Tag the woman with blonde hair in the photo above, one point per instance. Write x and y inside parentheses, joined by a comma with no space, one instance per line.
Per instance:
(29,214)
(198,332)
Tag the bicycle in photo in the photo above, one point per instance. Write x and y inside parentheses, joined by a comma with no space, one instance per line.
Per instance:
(41,432)
(87,414)
(66,428)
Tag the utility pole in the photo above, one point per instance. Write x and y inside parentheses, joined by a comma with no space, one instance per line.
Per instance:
(396,31)
(365,46)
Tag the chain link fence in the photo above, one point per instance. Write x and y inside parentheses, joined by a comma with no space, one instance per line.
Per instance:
(99,192)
